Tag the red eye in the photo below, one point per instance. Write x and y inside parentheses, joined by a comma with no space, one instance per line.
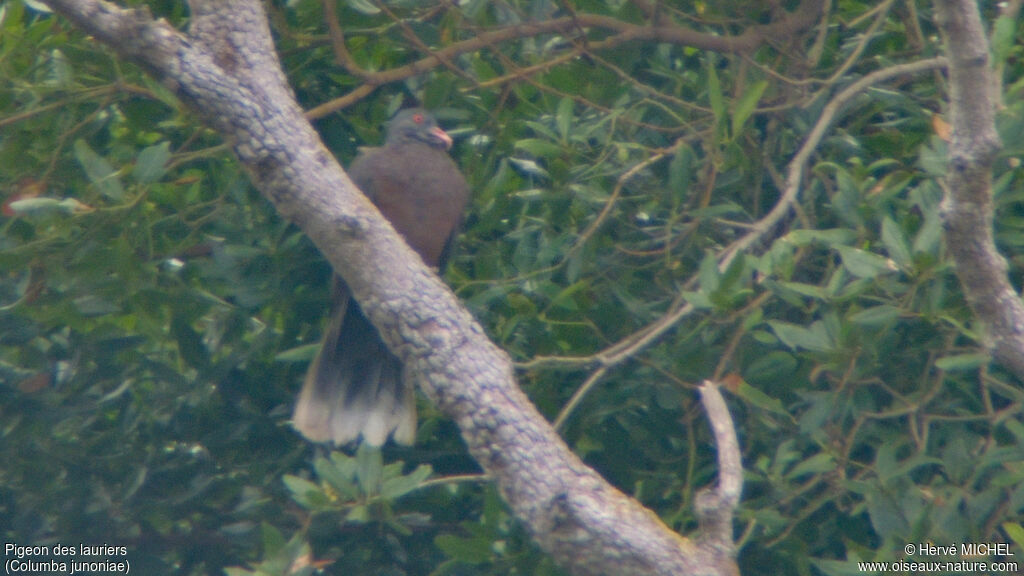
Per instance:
(417,118)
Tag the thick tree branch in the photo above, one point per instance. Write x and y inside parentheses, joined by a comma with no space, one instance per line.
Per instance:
(226,68)
(967,208)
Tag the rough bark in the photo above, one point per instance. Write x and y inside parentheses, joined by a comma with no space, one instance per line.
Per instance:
(227,70)
(967,208)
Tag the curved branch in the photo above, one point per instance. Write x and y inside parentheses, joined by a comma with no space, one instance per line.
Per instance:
(794,173)
(227,69)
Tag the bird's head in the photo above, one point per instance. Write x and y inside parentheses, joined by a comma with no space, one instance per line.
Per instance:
(417,125)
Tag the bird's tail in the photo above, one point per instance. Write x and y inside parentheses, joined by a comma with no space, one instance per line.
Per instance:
(354,386)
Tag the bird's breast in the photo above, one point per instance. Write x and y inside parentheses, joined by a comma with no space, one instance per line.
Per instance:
(423,195)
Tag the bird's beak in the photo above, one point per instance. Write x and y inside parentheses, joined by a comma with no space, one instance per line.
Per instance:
(442,136)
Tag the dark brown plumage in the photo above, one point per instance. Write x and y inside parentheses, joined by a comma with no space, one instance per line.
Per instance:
(354,387)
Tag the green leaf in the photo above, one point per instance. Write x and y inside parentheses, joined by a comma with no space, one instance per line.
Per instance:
(809,290)
(1016,533)
(934,158)
(99,171)
(929,237)
(397,487)
(152,163)
(680,171)
(190,343)
(359,514)
(303,353)
(732,276)
(816,464)
(542,129)
(468,550)
(760,399)
(539,148)
(338,475)
(877,316)
(746,104)
(370,468)
(771,366)
(847,201)
(896,243)
(962,362)
(563,117)
(828,237)
(815,338)
(273,540)
(346,465)
(307,494)
(959,458)
(864,264)
(709,274)
(291,558)
(38,6)
(700,300)
(42,207)
(1003,32)
(565,298)
(715,97)
(364,7)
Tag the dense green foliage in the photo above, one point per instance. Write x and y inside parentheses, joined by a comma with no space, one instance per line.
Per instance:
(156,316)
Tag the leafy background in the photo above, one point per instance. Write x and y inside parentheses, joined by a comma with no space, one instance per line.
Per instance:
(156,316)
